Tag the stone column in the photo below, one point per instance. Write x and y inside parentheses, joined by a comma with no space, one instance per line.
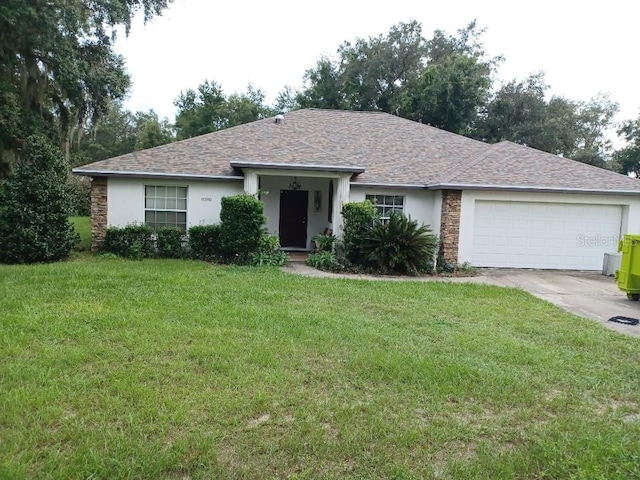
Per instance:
(450,224)
(250,182)
(340,197)
(98,212)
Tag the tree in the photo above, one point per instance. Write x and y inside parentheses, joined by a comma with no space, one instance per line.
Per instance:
(374,72)
(151,131)
(323,89)
(111,135)
(516,112)
(118,132)
(287,101)
(455,83)
(208,109)
(35,206)
(627,159)
(443,81)
(519,112)
(594,118)
(58,67)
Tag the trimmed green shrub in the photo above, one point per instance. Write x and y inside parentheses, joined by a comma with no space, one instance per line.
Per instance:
(205,242)
(80,192)
(400,245)
(358,218)
(268,252)
(169,242)
(35,206)
(324,242)
(132,241)
(325,260)
(241,219)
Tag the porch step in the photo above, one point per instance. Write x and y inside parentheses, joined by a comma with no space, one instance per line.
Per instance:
(298,257)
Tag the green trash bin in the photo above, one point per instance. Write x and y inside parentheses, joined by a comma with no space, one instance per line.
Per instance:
(628,277)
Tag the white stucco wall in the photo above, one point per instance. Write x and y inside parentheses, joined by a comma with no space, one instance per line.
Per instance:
(421,204)
(270,187)
(126,199)
(630,211)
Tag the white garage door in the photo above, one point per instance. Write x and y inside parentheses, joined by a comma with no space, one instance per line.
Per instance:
(544,235)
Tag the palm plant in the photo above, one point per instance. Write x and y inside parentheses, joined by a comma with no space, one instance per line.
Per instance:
(399,245)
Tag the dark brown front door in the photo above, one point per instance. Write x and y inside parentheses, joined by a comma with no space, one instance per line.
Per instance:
(293,218)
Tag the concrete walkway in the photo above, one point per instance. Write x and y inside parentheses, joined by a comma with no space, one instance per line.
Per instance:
(588,294)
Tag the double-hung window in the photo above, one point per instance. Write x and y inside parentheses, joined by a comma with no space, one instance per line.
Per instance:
(387,204)
(165,206)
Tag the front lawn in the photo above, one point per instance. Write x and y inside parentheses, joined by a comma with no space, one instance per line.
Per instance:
(183,370)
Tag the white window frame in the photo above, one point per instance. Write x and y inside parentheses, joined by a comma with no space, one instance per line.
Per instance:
(386,204)
(163,203)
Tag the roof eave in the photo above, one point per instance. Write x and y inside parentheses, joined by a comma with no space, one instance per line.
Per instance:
(519,188)
(388,185)
(179,176)
(297,166)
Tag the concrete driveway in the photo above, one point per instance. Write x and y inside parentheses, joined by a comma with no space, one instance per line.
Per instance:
(588,294)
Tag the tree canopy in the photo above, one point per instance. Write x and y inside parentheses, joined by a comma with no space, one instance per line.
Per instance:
(58,67)
(628,157)
(118,131)
(442,81)
(208,109)
(520,112)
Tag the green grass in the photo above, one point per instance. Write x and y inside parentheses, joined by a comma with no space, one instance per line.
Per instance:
(83,227)
(182,370)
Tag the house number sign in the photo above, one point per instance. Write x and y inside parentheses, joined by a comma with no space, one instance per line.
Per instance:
(206,199)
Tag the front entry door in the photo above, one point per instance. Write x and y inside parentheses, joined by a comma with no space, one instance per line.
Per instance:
(293,218)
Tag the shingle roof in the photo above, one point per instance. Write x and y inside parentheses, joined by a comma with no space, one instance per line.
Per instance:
(392,150)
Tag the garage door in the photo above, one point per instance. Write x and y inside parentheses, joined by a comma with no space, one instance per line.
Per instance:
(544,235)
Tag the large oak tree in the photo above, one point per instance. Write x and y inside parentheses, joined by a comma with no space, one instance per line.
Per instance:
(58,67)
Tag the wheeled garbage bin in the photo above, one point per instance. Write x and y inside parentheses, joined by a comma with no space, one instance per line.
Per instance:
(628,277)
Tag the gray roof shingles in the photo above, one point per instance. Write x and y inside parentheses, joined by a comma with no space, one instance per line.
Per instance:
(392,150)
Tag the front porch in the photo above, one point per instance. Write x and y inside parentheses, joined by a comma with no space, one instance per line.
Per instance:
(299,202)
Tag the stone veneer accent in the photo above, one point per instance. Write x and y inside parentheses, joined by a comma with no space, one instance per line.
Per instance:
(98,212)
(450,224)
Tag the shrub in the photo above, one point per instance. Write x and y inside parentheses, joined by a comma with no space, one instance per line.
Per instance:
(132,241)
(169,242)
(358,217)
(80,193)
(241,219)
(205,242)
(324,242)
(35,206)
(325,261)
(399,245)
(269,252)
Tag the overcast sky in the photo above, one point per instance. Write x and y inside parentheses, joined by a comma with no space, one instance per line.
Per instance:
(583,47)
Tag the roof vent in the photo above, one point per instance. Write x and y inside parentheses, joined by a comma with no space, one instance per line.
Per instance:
(279,118)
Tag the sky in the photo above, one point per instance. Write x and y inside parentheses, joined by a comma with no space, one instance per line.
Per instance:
(583,47)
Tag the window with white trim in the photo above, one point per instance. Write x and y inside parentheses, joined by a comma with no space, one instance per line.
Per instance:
(387,204)
(165,205)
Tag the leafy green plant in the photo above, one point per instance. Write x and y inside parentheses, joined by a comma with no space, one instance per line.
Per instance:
(324,242)
(34,207)
(325,260)
(169,242)
(400,245)
(241,220)
(133,241)
(268,252)
(205,242)
(358,217)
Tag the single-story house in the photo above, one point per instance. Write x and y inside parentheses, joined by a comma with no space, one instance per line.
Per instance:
(493,205)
